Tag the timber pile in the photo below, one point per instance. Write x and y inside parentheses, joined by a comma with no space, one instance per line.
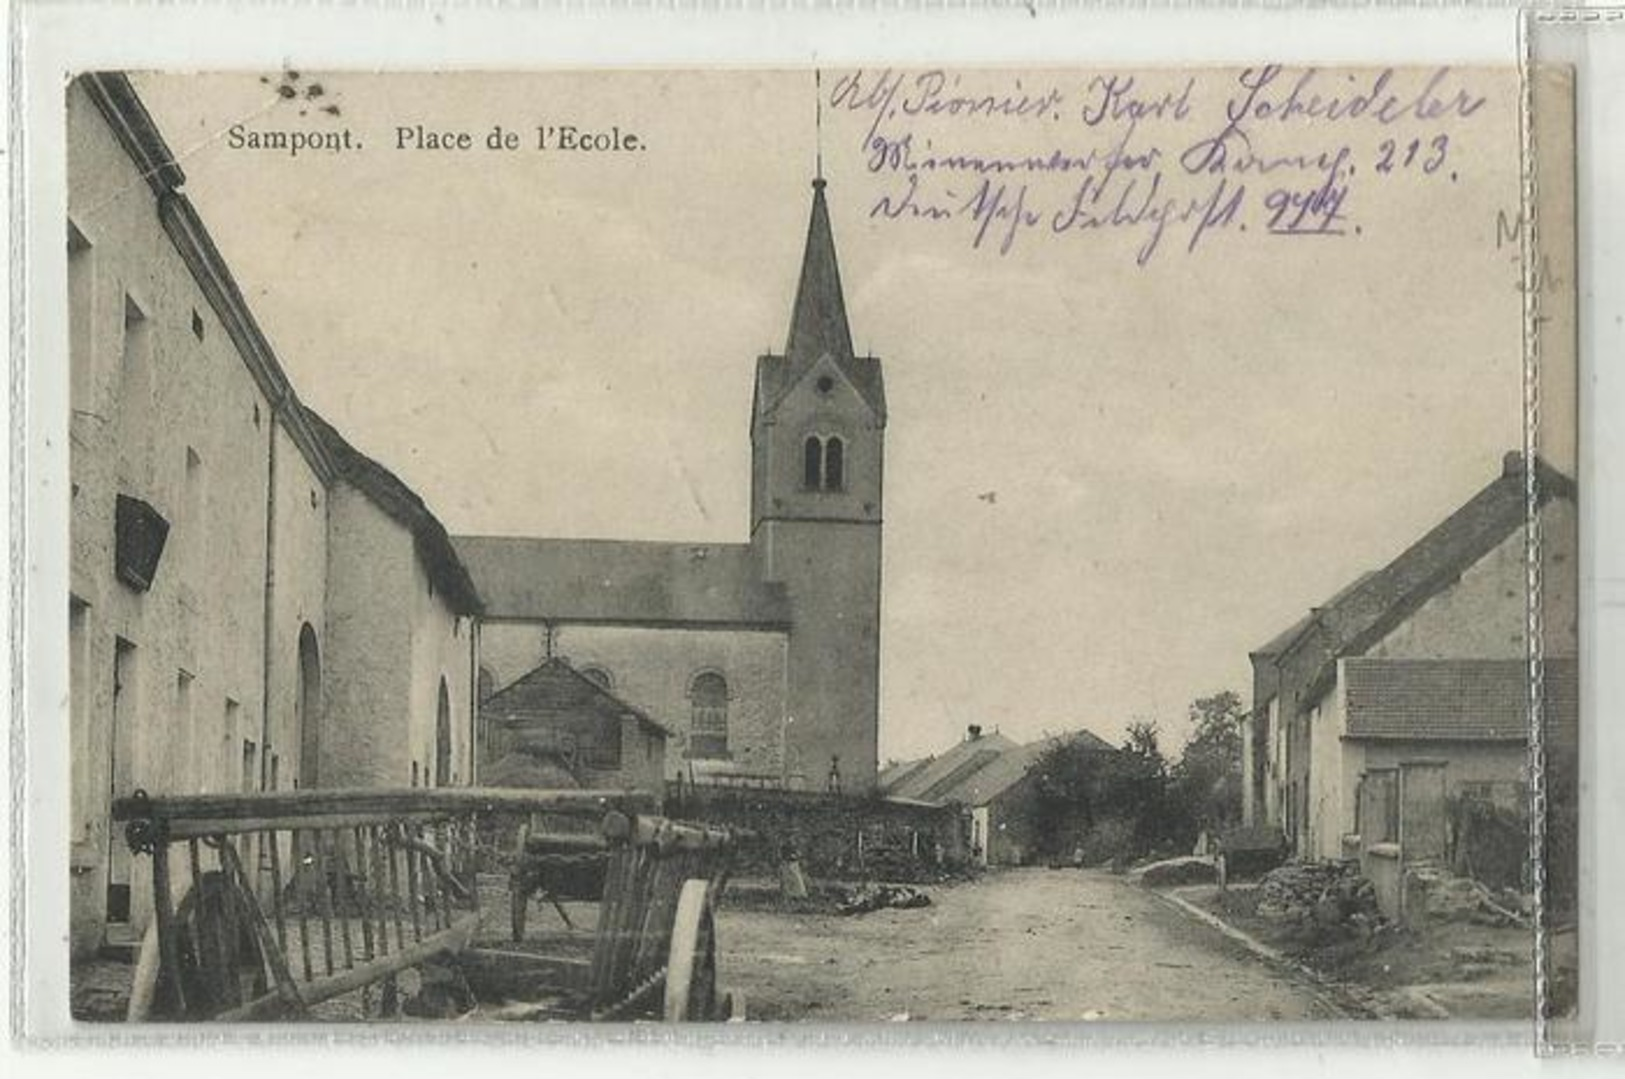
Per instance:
(1449,898)
(870,897)
(1324,893)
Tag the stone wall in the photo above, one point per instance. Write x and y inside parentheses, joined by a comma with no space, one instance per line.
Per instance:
(1482,615)
(825,830)
(652,669)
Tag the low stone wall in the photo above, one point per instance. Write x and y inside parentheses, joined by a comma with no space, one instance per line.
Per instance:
(834,835)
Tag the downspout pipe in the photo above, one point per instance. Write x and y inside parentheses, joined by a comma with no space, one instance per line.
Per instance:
(473,701)
(269,621)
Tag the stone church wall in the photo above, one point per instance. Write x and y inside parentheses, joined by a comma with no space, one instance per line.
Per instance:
(653,669)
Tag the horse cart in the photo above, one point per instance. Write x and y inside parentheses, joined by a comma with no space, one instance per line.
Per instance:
(316,904)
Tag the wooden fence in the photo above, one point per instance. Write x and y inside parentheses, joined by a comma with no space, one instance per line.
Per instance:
(267,904)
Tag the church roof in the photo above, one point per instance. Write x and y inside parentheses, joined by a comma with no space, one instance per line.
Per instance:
(818,324)
(624,582)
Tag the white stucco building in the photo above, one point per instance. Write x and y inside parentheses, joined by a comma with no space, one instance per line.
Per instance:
(254,603)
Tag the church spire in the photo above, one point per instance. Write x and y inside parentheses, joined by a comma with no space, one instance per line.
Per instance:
(818,323)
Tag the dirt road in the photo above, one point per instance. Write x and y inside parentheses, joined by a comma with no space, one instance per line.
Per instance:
(1022,944)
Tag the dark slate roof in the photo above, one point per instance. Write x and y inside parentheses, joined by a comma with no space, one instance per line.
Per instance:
(818,324)
(556,690)
(1362,614)
(623,582)
(893,774)
(915,785)
(1011,767)
(1455,700)
(400,502)
(1287,637)
(975,772)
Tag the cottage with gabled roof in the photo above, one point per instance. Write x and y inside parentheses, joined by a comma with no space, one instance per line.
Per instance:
(558,713)
(993,782)
(1425,660)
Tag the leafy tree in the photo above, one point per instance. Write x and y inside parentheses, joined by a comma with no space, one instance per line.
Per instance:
(1206,782)
(1135,792)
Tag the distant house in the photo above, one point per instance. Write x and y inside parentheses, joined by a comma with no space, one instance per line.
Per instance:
(1423,661)
(925,780)
(558,720)
(993,781)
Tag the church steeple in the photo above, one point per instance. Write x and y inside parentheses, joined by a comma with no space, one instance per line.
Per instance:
(818,322)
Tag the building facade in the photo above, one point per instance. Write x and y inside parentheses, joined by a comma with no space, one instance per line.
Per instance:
(253,604)
(762,658)
(1424,661)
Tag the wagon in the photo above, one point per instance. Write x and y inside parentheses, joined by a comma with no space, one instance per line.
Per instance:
(282,905)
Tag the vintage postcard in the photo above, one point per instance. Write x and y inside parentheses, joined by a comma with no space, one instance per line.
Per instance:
(846,545)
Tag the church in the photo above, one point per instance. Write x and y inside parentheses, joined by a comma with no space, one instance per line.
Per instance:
(761,658)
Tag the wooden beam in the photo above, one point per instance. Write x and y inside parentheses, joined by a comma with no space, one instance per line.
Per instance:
(263,805)
(449,940)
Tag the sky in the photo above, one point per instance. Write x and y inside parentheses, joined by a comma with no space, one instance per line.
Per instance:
(1106,481)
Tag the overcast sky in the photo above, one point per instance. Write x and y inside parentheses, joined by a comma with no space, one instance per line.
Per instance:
(1105,482)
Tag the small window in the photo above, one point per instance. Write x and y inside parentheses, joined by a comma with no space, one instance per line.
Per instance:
(823,463)
(825,384)
(197,324)
(81,320)
(603,752)
(834,465)
(599,675)
(812,464)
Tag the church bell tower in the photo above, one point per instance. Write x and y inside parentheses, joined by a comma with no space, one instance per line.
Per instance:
(818,451)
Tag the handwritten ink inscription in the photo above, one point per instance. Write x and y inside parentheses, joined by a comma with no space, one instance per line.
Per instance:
(1170,159)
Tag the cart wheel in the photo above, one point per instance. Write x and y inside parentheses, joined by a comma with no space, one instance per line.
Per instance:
(691,969)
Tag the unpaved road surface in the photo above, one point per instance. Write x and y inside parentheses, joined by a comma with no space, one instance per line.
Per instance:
(1062,945)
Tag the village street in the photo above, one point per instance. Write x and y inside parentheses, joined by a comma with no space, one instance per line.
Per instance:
(1063,945)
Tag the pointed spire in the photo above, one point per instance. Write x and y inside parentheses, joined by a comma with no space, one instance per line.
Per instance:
(818,323)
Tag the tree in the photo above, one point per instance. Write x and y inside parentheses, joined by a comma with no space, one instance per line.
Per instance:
(1206,781)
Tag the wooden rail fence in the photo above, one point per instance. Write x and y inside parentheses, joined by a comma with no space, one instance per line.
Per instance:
(267,904)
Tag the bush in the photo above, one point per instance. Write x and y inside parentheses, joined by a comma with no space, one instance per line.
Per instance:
(1110,840)
(1491,842)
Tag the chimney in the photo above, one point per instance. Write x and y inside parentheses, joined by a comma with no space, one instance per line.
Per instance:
(973,732)
(1512,464)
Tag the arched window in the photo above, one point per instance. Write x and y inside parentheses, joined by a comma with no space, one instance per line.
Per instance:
(834,464)
(599,675)
(823,463)
(307,705)
(442,737)
(708,727)
(812,464)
